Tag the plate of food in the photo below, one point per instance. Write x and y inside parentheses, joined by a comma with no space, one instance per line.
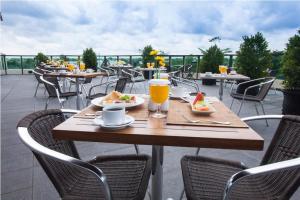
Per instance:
(117,98)
(200,106)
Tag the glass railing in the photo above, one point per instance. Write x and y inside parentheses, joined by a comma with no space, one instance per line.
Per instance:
(23,64)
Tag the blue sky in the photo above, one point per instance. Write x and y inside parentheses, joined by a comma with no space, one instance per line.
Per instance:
(124,27)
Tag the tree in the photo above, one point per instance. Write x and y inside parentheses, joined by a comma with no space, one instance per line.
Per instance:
(253,58)
(40,57)
(291,63)
(90,59)
(212,58)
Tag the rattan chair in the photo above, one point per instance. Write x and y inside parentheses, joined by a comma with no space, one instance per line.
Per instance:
(37,74)
(53,88)
(134,77)
(120,177)
(120,86)
(278,176)
(264,87)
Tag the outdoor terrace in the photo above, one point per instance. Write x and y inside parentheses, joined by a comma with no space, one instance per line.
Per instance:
(23,178)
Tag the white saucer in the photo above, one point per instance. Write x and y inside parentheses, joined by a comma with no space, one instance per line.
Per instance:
(128,121)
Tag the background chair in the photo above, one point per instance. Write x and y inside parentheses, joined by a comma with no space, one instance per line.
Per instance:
(264,87)
(53,88)
(134,77)
(120,86)
(277,177)
(106,177)
(37,74)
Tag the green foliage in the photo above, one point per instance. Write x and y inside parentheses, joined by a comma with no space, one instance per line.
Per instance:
(146,57)
(89,58)
(277,62)
(253,58)
(212,58)
(40,57)
(291,63)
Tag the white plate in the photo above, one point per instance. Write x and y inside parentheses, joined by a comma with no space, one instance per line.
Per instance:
(208,112)
(139,101)
(128,121)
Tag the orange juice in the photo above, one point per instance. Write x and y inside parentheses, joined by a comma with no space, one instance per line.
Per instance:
(223,69)
(159,93)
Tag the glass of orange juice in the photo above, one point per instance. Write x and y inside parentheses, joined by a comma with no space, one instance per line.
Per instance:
(82,66)
(159,93)
(223,69)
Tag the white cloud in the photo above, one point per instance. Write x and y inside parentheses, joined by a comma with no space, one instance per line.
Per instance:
(114,27)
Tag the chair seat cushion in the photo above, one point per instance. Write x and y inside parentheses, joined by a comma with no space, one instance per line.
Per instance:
(96,95)
(247,97)
(206,178)
(127,177)
(68,94)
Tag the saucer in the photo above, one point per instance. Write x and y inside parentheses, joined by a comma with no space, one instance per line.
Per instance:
(128,121)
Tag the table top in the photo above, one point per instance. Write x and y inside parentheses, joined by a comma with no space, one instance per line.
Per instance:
(157,132)
(150,69)
(80,75)
(228,76)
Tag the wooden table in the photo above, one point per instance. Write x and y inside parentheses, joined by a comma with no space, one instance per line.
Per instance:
(222,78)
(77,77)
(157,133)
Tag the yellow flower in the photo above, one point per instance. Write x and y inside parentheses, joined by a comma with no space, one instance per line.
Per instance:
(161,63)
(160,58)
(82,66)
(153,53)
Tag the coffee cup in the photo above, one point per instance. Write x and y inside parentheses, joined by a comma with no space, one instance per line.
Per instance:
(113,115)
(89,70)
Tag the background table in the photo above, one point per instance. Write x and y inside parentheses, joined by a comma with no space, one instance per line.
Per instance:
(222,78)
(77,77)
(157,133)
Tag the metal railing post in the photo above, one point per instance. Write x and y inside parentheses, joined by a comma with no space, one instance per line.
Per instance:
(230,61)
(22,68)
(170,57)
(130,60)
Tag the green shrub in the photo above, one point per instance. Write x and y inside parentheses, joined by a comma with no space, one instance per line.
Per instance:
(89,58)
(291,63)
(212,58)
(253,58)
(40,57)
(146,57)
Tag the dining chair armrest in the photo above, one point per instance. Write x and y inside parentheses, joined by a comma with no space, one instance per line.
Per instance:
(138,72)
(188,83)
(70,111)
(261,117)
(260,170)
(249,81)
(38,148)
(128,74)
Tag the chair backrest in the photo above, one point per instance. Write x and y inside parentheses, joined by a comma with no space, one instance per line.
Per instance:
(121,84)
(283,183)
(264,89)
(51,85)
(39,125)
(285,145)
(38,73)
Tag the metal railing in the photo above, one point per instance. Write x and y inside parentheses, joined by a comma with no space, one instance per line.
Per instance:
(19,64)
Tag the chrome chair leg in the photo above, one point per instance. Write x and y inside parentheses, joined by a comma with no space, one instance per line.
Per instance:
(263,109)
(256,109)
(197,152)
(36,89)
(240,107)
(131,87)
(46,106)
(137,150)
(231,103)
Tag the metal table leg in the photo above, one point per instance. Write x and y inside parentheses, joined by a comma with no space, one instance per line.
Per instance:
(150,74)
(157,172)
(221,89)
(78,94)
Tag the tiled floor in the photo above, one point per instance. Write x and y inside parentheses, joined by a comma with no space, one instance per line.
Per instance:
(23,178)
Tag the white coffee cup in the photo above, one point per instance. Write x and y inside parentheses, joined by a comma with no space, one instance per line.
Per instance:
(89,70)
(178,91)
(208,73)
(113,115)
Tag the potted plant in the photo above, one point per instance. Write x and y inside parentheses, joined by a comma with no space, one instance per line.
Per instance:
(90,59)
(147,58)
(40,57)
(291,73)
(253,59)
(212,58)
